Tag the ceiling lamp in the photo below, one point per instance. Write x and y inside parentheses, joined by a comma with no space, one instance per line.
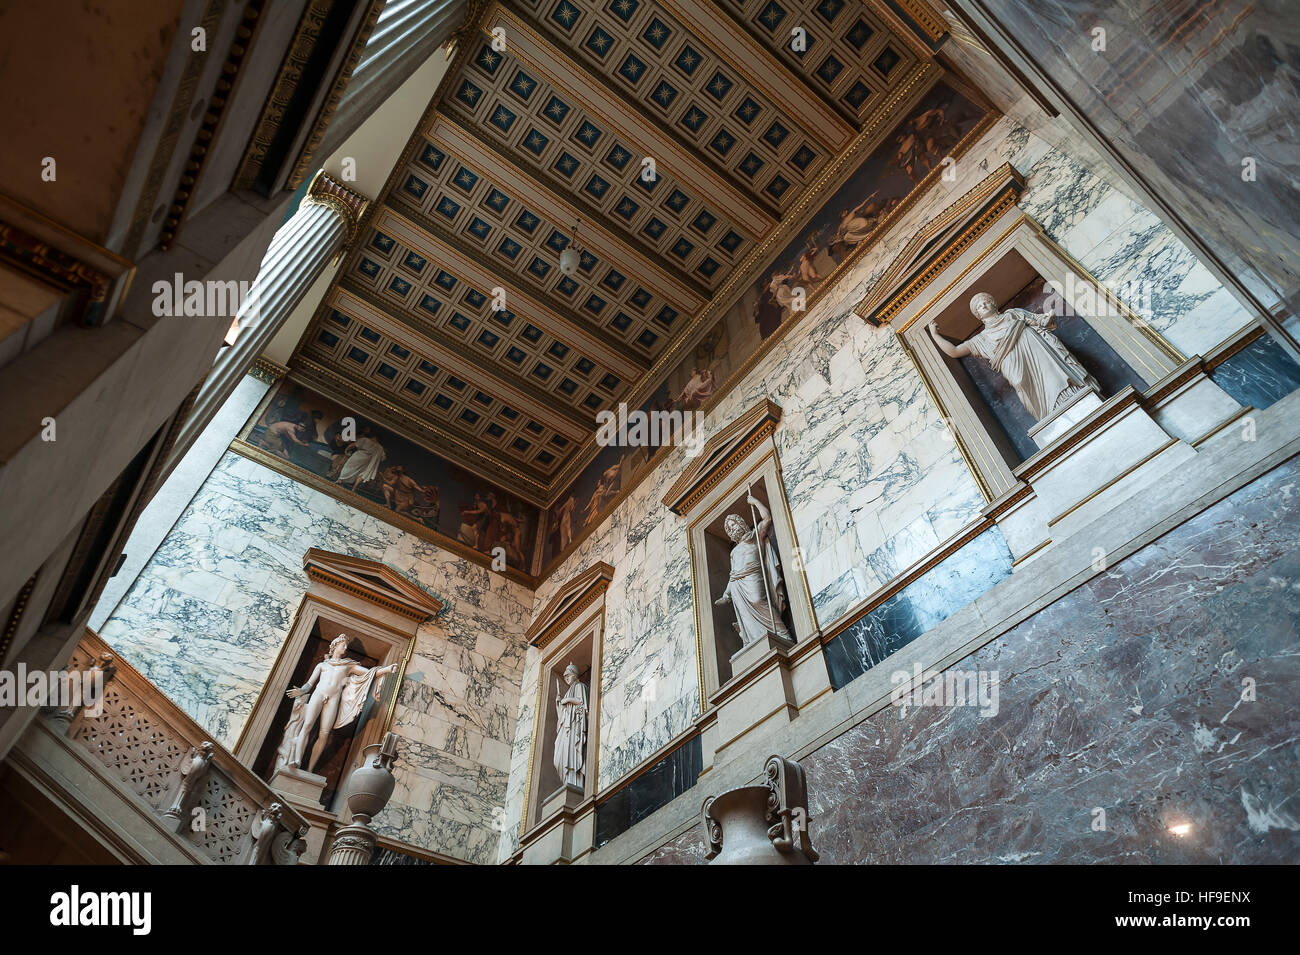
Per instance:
(571,255)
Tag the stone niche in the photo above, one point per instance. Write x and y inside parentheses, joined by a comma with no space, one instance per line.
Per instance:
(378,611)
(1144,412)
(559,808)
(760,656)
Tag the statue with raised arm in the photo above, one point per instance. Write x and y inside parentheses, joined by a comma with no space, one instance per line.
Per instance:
(571,729)
(336,692)
(1021,348)
(755,589)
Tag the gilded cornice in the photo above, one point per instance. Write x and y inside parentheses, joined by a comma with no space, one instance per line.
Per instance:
(569,602)
(305,38)
(264,369)
(925,18)
(337,89)
(216,108)
(711,465)
(905,278)
(177,118)
(744,275)
(397,593)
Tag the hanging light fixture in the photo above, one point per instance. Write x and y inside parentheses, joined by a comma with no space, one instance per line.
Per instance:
(571,255)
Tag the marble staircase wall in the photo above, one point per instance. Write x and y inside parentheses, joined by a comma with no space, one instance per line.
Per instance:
(206,618)
(872,479)
(1125,695)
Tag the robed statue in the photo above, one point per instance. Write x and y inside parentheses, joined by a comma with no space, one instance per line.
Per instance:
(571,729)
(336,691)
(1020,346)
(755,588)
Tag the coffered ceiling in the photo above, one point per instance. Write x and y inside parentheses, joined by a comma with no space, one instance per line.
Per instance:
(520,144)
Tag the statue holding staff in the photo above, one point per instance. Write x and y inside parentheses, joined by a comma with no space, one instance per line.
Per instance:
(755,588)
(571,729)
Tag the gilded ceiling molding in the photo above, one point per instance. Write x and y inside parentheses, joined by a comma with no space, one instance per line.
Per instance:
(522,398)
(32,244)
(327,191)
(721,454)
(756,63)
(468,267)
(217,102)
(579,593)
(457,141)
(925,18)
(474,11)
(926,75)
(925,256)
(586,88)
(898,16)
(264,369)
(177,117)
(305,38)
(337,89)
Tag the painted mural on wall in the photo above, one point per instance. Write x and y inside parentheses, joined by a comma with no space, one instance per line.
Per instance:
(840,231)
(306,430)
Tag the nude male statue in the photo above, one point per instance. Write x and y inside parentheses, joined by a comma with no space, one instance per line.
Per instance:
(338,688)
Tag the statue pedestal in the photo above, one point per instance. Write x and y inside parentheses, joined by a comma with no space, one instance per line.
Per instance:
(565,830)
(1066,417)
(744,658)
(303,790)
(1114,452)
(565,797)
(305,786)
(762,691)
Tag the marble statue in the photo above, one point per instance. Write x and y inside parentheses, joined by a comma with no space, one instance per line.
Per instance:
(262,831)
(755,589)
(1022,349)
(336,691)
(571,729)
(288,753)
(194,769)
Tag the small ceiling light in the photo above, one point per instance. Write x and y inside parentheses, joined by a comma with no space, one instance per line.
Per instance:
(571,255)
(1182,829)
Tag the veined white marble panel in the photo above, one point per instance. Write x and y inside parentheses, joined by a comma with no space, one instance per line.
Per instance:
(206,618)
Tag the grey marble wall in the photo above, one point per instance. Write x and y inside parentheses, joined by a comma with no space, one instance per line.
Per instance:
(1126,695)
(206,618)
(873,480)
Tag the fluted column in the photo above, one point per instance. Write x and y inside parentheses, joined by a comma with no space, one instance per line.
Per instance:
(326,222)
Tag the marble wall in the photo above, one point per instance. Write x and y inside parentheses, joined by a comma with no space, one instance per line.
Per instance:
(206,618)
(873,481)
(1125,695)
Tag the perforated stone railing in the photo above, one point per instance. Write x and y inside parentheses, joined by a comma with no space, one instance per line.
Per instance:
(149,744)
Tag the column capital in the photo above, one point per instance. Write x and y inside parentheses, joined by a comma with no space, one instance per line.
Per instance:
(325,190)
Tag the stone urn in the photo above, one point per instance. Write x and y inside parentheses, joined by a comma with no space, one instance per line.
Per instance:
(371,784)
(765,824)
